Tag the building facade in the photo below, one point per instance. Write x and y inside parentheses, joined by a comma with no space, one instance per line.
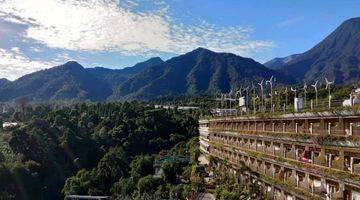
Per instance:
(295,156)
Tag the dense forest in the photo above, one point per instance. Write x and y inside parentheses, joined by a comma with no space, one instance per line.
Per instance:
(112,149)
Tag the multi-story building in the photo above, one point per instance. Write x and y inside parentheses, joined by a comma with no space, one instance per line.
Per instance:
(294,156)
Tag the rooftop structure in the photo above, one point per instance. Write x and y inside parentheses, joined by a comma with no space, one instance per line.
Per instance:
(86,197)
(9,125)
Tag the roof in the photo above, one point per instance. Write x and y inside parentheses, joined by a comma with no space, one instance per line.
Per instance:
(86,197)
(170,158)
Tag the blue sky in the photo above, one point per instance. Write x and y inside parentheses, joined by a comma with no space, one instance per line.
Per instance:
(37,34)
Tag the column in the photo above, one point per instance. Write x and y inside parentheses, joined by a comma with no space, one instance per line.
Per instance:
(284,129)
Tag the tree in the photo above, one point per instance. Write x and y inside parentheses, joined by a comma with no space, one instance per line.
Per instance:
(147,185)
(83,183)
(124,188)
(142,166)
(171,169)
(112,167)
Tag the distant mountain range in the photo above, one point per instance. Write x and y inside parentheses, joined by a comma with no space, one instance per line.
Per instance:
(337,57)
(198,72)
(65,82)
(115,77)
(278,63)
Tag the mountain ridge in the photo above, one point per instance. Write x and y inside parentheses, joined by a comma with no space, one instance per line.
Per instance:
(69,81)
(336,57)
(199,71)
(115,77)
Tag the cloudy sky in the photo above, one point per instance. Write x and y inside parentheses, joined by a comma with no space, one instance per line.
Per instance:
(37,34)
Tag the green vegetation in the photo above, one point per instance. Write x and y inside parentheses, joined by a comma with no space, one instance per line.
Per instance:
(230,186)
(112,149)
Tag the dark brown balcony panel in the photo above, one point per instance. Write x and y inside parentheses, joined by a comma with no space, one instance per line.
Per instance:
(261,167)
(320,157)
(278,149)
(269,148)
(246,143)
(356,166)
(335,158)
(299,126)
(289,196)
(356,128)
(290,151)
(253,144)
(278,194)
(260,146)
(268,126)
(336,190)
(278,172)
(305,155)
(268,169)
(291,176)
(253,126)
(317,185)
(269,191)
(253,164)
(351,192)
(303,180)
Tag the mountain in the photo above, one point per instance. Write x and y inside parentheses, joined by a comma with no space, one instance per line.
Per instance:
(199,71)
(114,77)
(337,57)
(65,82)
(4,81)
(278,63)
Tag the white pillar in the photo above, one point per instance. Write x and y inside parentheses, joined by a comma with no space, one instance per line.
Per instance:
(297,180)
(296,128)
(351,129)
(263,126)
(329,128)
(273,127)
(311,128)
(283,127)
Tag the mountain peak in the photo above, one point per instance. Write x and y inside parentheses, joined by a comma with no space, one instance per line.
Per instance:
(352,20)
(73,64)
(336,57)
(202,49)
(4,81)
(156,59)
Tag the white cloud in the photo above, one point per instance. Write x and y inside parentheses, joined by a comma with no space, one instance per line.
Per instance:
(103,25)
(14,64)
(36,49)
(289,22)
(16,50)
